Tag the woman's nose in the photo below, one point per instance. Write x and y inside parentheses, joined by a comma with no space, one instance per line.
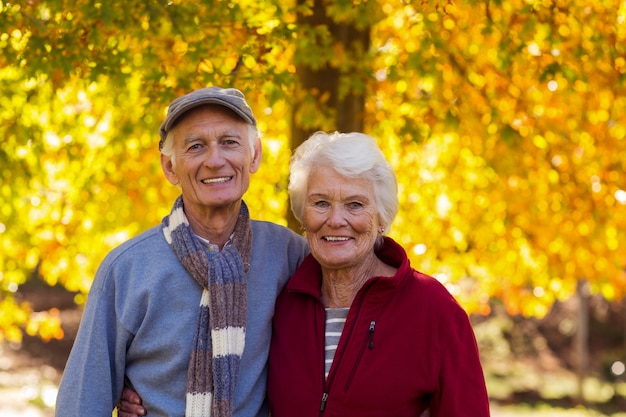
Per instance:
(337,216)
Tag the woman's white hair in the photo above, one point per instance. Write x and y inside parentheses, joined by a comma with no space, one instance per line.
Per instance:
(353,155)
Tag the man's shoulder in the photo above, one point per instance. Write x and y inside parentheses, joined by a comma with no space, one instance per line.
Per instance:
(144,255)
(276,231)
(147,242)
(273,242)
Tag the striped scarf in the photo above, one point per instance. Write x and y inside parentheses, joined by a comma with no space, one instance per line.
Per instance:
(220,333)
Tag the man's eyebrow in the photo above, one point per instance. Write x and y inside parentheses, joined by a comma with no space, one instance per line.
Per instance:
(191,138)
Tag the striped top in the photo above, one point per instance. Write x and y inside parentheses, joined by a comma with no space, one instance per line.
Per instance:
(335,321)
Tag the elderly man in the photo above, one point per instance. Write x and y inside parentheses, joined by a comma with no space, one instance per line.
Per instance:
(182,313)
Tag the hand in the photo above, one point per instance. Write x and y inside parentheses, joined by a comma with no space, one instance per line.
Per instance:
(130,404)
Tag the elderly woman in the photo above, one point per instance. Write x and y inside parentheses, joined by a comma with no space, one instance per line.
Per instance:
(357,331)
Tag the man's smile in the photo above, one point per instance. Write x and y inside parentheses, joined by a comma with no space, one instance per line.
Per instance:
(218,180)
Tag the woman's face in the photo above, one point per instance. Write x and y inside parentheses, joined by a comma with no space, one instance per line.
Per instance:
(341,219)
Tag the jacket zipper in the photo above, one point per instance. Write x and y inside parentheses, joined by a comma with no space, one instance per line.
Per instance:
(323,403)
(369,344)
(327,383)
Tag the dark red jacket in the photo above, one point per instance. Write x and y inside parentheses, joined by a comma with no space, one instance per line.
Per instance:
(407,345)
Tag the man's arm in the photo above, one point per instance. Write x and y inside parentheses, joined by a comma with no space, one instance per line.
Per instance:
(94,374)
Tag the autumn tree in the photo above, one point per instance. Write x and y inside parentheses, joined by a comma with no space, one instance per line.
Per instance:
(505,122)
(333,44)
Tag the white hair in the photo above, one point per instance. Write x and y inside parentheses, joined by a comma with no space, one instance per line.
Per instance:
(353,155)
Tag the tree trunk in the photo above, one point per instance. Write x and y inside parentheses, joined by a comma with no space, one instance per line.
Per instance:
(582,336)
(323,83)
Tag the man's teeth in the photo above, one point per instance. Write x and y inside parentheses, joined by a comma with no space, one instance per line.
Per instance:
(336,238)
(216,180)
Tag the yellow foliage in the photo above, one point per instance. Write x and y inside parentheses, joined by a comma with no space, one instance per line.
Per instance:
(505,123)
(13,317)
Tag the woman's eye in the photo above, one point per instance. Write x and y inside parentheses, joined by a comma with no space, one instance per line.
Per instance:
(355,205)
(321,204)
(194,147)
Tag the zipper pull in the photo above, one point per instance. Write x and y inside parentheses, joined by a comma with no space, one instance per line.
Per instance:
(323,404)
(372,324)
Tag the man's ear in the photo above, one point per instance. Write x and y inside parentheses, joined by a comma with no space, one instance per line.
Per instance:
(258,154)
(168,169)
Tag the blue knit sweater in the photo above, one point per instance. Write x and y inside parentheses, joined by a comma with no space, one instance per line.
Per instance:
(139,321)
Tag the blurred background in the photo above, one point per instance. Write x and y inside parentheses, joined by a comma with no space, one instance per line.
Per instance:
(504,121)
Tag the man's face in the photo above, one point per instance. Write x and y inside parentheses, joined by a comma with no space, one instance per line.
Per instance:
(213,159)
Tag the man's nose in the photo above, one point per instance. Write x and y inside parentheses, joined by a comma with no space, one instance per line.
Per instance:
(214,156)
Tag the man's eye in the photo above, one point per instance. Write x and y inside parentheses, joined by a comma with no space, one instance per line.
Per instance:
(230,141)
(194,147)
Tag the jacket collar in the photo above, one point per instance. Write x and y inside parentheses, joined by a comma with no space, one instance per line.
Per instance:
(308,276)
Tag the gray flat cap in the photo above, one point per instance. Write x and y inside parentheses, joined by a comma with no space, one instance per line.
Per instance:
(230,98)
